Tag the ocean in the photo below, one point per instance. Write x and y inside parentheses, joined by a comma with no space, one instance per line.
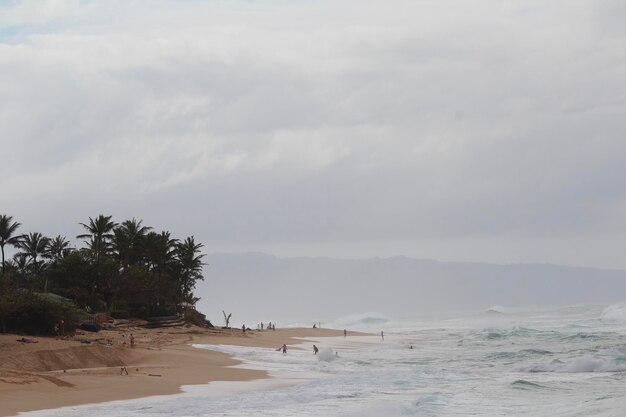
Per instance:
(560,361)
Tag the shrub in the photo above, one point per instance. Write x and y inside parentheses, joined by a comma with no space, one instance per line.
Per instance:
(34,313)
(195,317)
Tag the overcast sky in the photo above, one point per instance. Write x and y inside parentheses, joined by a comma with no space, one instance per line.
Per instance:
(454,130)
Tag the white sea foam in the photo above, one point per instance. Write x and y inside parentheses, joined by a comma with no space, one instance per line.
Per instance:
(326,355)
(614,313)
(591,364)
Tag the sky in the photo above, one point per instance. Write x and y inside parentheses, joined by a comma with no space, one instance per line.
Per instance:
(482,131)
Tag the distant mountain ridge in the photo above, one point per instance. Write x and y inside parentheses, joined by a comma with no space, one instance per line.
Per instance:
(259,283)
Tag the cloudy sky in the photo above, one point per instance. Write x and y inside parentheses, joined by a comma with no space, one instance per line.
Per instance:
(454,130)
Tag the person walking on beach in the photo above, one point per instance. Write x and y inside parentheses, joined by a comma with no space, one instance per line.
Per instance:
(345,333)
(315,350)
(284,348)
(243,329)
(382,335)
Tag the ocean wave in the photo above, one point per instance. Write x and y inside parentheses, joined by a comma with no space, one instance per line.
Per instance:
(326,355)
(584,336)
(590,364)
(580,365)
(536,352)
(527,385)
(363,319)
(517,331)
(524,353)
(614,313)
(495,310)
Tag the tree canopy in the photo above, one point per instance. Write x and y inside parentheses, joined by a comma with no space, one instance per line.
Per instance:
(126,268)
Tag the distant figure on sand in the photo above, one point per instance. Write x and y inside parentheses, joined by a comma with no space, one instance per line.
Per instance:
(345,333)
(284,348)
(314,326)
(243,328)
(382,335)
(315,350)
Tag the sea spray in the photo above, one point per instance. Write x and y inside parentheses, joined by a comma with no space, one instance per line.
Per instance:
(326,355)
(614,313)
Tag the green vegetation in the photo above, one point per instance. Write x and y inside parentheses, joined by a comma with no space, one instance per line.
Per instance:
(125,269)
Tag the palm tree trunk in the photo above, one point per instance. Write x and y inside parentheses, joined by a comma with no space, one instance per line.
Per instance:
(2,247)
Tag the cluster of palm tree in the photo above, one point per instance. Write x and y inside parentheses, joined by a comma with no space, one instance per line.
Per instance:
(125,267)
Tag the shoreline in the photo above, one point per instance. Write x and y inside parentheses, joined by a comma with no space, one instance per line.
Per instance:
(53,373)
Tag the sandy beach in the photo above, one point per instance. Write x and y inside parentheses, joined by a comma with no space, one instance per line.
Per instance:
(88,368)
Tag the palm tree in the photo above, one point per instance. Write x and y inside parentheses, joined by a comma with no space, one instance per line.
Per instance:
(34,245)
(7,229)
(128,240)
(20,264)
(99,241)
(58,248)
(99,236)
(159,251)
(190,263)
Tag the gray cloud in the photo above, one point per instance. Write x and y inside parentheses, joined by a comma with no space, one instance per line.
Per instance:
(319,123)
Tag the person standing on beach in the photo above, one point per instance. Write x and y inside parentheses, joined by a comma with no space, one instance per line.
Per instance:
(243,329)
(382,335)
(284,348)
(315,350)
(345,333)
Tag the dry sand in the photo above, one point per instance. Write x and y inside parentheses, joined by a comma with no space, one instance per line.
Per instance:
(55,373)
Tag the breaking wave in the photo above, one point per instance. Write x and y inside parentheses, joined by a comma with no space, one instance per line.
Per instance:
(495,310)
(580,365)
(614,313)
(361,320)
(590,364)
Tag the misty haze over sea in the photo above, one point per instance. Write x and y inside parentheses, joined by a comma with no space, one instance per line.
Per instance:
(257,286)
